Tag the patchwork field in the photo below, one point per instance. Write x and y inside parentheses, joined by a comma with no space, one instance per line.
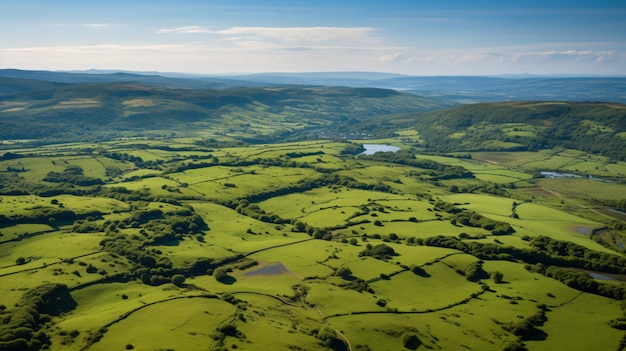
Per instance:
(172,245)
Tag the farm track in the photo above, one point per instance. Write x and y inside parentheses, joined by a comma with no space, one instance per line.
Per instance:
(554,193)
(430,310)
(48,264)
(26,236)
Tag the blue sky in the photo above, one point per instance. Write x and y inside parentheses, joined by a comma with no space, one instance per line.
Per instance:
(411,37)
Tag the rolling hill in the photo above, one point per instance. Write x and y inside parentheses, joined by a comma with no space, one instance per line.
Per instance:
(514,126)
(69,110)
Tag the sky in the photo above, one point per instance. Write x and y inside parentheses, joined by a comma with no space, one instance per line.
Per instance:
(414,37)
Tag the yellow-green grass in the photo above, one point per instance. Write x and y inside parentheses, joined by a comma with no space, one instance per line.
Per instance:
(158,186)
(303,259)
(474,325)
(617,168)
(512,159)
(189,325)
(460,261)
(207,174)
(329,217)
(331,299)
(483,204)
(86,204)
(26,204)
(300,204)
(271,325)
(554,223)
(418,230)
(501,176)
(101,304)
(251,180)
(410,292)
(534,219)
(375,173)
(15,231)
(422,256)
(48,248)
(581,325)
(497,144)
(471,165)
(279,285)
(367,268)
(241,233)
(583,189)
(16,280)
(189,249)
(529,286)
(439,330)
(141,173)
(595,127)
(36,168)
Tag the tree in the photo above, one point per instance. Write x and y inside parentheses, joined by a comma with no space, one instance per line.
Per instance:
(410,341)
(497,277)
(178,280)
(220,274)
(343,272)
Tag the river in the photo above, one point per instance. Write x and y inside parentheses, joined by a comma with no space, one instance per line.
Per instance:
(553,175)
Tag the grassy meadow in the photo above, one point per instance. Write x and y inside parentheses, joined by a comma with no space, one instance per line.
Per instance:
(304,246)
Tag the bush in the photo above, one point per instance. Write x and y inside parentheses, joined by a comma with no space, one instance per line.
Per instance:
(343,272)
(178,280)
(410,341)
(220,274)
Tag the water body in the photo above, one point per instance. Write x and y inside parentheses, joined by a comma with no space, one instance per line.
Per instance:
(275,269)
(554,175)
(371,149)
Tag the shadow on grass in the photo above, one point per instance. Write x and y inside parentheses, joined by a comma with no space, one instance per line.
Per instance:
(228,280)
(538,335)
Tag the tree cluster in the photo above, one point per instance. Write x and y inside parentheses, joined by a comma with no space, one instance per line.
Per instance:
(21,326)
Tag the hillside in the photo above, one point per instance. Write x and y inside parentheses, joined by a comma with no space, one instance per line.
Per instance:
(516,126)
(67,111)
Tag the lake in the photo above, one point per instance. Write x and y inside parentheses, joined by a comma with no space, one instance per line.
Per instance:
(371,149)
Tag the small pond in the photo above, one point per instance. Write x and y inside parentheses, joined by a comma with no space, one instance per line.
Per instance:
(371,149)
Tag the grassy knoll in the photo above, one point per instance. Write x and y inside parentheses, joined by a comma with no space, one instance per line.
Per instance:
(271,324)
(190,324)
(410,292)
(586,314)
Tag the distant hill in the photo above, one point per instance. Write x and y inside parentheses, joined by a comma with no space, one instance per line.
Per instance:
(70,110)
(124,77)
(19,85)
(467,89)
(593,127)
(458,89)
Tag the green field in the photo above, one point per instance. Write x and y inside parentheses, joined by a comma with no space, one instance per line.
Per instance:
(243,247)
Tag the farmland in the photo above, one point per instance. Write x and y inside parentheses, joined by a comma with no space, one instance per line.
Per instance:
(305,242)
(145,216)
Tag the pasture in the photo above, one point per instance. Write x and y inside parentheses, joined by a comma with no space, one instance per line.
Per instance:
(282,286)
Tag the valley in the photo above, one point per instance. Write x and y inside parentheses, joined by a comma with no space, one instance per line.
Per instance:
(137,217)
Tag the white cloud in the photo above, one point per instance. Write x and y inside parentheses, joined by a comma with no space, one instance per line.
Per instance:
(305,34)
(260,55)
(395,57)
(184,30)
